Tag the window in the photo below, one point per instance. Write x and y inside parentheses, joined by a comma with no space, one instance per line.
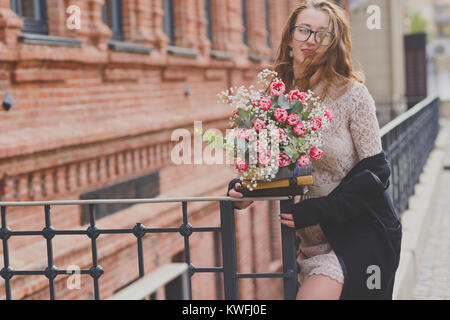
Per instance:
(244,22)
(33,14)
(168,20)
(112,16)
(208,19)
(146,186)
(267,22)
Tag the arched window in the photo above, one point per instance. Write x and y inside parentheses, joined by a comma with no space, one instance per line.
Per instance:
(33,13)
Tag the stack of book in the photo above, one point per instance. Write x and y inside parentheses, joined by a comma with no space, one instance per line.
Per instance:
(285,183)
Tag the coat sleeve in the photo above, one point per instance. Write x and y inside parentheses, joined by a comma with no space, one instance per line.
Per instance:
(330,209)
(341,206)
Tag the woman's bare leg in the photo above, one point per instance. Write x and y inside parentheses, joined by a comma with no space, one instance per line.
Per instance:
(319,287)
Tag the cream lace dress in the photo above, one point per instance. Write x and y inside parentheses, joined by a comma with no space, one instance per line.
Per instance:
(352,136)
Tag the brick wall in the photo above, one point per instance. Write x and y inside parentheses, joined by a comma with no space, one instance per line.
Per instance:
(90,116)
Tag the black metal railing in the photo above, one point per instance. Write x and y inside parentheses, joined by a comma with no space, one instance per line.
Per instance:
(226,228)
(408,141)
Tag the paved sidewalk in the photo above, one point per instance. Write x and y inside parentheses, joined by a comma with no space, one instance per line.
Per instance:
(433,280)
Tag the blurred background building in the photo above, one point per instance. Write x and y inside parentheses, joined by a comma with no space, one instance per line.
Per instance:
(379,50)
(88,112)
(432,18)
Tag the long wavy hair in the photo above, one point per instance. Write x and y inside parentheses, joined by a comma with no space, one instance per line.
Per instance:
(334,67)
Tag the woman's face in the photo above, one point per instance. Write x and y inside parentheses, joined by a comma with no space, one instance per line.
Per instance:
(315,20)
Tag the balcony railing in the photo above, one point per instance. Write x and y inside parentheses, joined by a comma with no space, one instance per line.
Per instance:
(226,228)
(408,141)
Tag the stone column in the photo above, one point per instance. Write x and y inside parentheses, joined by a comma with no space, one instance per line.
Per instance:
(99,33)
(160,39)
(235,28)
(219,20)
(256,28)
(10,24)
(136,18)
(203,42)
(185,23)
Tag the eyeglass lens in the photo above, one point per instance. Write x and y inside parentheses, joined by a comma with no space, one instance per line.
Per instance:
(321,37)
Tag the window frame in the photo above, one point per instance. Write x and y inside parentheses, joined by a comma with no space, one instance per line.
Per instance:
(168,21)
(38,25)
(267,10)
(208,17)
(244,22)
(117,19)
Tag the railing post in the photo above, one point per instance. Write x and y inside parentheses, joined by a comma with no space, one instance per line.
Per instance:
(289,252)
(229,250)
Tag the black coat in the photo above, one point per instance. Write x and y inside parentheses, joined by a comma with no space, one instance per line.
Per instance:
(362,226)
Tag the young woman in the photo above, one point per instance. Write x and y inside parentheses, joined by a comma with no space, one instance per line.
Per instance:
(315,53)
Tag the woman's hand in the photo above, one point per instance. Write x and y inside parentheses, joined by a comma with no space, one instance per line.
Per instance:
(287,219)
(234,193)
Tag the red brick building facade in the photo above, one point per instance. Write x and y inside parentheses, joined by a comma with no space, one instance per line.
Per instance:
(96,106)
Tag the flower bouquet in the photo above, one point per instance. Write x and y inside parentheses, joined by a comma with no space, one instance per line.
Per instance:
(274,135)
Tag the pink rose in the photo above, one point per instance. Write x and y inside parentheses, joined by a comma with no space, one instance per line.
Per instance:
(315,153)
(264,158)
(300,129)
(297,95)
(316,124)
(302,96)
(241,165)
(235,114)
(303,161)
(282,135)
(293,119)
(280,115)
(294,95)
(244,133)
(284,160)
(277,88)
(329,115)
(265,103)
(259,125)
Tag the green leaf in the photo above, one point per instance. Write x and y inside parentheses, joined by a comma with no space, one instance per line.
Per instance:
(306,115)
(283,102)
(291,152)
(244,119)
(297,107)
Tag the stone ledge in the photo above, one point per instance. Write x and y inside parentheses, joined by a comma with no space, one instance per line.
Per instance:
(221,55)
(66,133)
(414,219)
(129,47)
(183,52)
(49,40)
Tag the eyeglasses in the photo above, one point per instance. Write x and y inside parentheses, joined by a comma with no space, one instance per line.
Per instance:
(302,34)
